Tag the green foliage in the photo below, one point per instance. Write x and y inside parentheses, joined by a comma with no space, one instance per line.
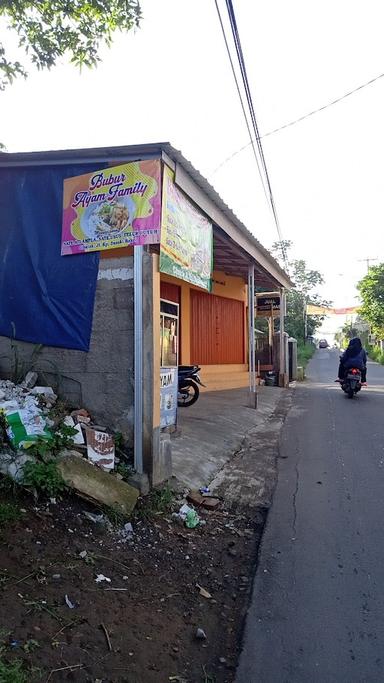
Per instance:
(12,672)
(306,281)
(158,502)
(119,440)
(44,477)
(304,354)
(349,331)
(63,438)
(115,515)
(9,513)
(8,485)
(60,440)
(30,646)
(125,470)
(376,354)
(49,30)
(371,289)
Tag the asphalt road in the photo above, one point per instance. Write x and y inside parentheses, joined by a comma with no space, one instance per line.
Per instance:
(317,611)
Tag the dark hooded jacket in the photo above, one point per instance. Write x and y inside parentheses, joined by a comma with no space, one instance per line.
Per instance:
(354,356)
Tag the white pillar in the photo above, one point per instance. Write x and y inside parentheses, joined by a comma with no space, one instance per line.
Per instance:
(138,360)
(251,336)
(282,364)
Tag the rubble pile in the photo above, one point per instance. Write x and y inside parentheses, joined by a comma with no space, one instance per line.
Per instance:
(85,451)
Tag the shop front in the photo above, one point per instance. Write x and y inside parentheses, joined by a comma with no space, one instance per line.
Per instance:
(142,268)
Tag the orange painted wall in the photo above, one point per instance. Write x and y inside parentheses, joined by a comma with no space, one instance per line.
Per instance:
(223,285)
(217,330)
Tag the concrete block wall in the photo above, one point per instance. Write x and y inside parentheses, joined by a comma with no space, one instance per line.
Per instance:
(102,379)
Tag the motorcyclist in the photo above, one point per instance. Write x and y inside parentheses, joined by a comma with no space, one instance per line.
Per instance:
(354,356)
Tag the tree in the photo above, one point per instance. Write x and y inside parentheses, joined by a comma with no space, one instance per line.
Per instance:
(49,29)
(297,323)
(371,289)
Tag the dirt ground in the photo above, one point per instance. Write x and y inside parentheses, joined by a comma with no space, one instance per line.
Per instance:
(139,627)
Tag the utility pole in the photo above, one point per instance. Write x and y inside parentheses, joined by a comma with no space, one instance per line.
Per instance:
(367,261)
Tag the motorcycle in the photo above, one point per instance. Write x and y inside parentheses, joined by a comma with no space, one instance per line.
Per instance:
(351,383)
(188,385)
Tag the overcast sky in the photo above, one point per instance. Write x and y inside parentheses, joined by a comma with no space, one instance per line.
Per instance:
(171,81)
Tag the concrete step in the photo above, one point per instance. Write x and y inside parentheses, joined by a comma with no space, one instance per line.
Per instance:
(221,379)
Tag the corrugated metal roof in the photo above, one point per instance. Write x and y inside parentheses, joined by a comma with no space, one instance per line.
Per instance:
(135,152)
(204,184)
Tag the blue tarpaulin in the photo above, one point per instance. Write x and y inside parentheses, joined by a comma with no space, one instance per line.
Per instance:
(45,298)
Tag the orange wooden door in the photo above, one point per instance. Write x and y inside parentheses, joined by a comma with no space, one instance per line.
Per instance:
(217,329)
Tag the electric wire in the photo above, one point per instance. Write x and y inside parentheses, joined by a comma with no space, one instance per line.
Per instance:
(252,141)
(244,75)
(300,119)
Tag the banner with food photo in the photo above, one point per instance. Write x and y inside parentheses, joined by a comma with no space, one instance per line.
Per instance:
(186,247)
(112,208)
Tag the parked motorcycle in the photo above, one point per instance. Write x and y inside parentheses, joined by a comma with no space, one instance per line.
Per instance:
(351,383)
(188,381)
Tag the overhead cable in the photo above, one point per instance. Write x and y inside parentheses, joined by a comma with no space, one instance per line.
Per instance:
(252,142)
(248,95)
(300,119)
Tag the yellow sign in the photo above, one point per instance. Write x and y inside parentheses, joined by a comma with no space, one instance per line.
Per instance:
(323,310)
(318,310)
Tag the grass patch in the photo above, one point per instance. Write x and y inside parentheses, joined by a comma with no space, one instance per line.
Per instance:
(158,502)
(14,672)
(9,513)
(375,354)
(304,354)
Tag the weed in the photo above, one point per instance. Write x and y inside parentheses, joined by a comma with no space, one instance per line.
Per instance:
(13,672)
(125,470)
(376,354)
(8,485)
(30,646)
(61,439)
(3,430)
(119,440)
(115,515)
(44,477)
(208,678)
(305,353)
(41,606)
(89,559)
(9,513)
(61,407)
(4,578)
(158,502)
(22,365)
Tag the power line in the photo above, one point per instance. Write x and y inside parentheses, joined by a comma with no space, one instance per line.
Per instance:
(368,261)
(243,71)
(301,118)
(252,141)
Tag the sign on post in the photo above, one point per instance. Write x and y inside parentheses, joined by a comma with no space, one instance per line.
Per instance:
(168,396)
(112,208)
(186,246)
(268,304)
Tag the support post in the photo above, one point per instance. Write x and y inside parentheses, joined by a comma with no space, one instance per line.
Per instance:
(251,336)
(138,361)
(282,373)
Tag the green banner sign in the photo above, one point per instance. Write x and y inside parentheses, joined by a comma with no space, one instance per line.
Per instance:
(186,246)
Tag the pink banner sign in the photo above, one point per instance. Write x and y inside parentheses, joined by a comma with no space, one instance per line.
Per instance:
(112,208)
